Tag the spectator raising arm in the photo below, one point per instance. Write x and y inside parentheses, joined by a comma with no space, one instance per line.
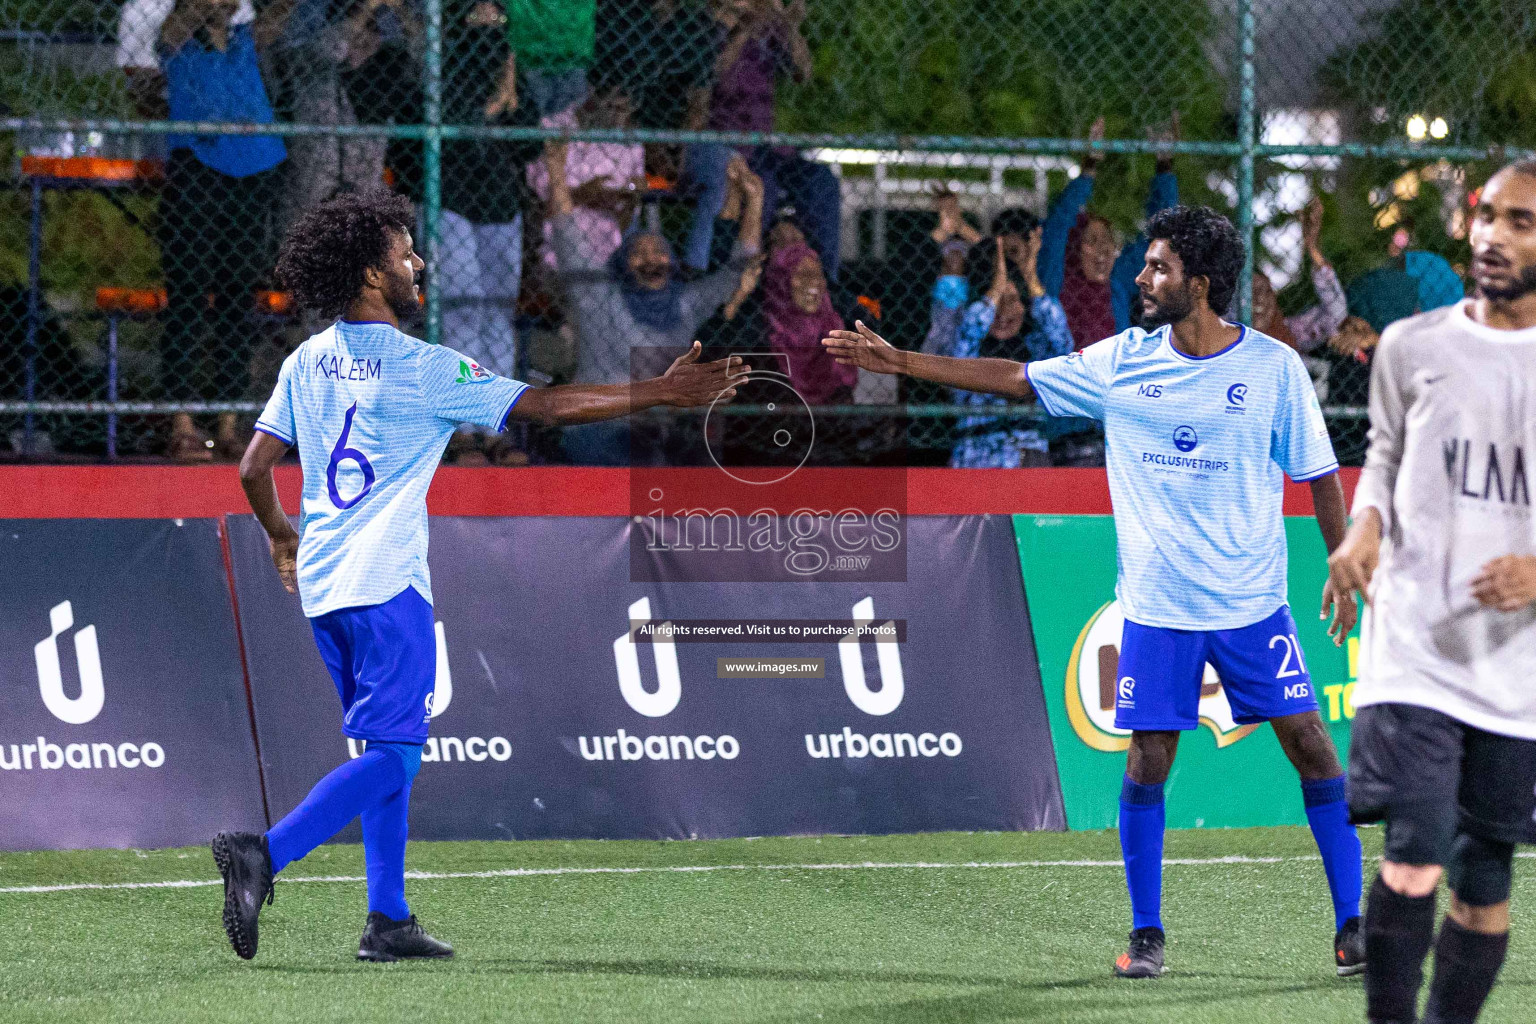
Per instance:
(790,18)
(1312,327)
(707,294)
(1162,195)
(1063,216)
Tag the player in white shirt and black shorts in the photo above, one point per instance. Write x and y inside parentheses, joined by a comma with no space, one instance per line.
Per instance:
(1444,742)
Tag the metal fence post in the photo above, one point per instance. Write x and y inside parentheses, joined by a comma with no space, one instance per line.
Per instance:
(1245,140)
(432,168)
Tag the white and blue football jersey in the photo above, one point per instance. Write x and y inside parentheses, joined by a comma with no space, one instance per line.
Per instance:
(371,410)
(1197,452)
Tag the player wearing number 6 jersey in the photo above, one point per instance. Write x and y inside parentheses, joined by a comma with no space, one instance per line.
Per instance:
(371,410)
(1201,419)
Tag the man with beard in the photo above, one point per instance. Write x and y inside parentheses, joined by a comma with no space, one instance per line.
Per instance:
(1443,545)
(1202,419)
(371,410)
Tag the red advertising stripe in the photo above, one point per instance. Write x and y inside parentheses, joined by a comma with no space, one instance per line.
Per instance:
(189,492)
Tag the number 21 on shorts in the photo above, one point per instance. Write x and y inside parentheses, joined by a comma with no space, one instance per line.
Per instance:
(1291,651)
(341,453)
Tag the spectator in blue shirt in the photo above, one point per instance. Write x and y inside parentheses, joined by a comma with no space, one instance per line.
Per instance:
(1013,319)
(220,191)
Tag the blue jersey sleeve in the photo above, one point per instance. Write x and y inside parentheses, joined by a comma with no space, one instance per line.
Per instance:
(277,418)
(460,390)
(1076,384)
(1299,441)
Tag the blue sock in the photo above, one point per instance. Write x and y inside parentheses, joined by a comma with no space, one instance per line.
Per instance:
(384,831)
(1142,820)
(336,799)
(384,834)
(1337,841)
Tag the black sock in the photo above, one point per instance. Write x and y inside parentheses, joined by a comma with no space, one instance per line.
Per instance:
(1398,933)
(1466,962)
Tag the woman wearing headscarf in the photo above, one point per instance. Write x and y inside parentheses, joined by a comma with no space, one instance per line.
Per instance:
(797,309)
(1013,319)
(632,308)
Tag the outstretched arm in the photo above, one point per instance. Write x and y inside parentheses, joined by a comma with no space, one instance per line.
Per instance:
(264,452)
(864,348)
(687,383)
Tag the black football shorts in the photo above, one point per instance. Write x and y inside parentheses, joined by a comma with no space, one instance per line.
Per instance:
(1428,776)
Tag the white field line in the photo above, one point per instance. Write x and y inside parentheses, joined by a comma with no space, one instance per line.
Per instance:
(432,876)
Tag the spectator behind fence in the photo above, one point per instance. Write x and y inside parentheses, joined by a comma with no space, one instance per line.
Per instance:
(634,302)
(662,54)
(311,50)
(552,43)
(1078,252)
(951,239)
(1314,325)
(1163,194)
(759,42)
(604,177)
(1000,325)
(480,249)
(138,44)
(215,228)
(797,309)
(381,73)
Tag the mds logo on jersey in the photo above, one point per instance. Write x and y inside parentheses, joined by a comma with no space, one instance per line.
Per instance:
(1095,686)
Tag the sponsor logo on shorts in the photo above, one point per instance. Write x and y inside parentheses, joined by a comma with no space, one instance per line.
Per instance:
(1095,688)
(1127,691)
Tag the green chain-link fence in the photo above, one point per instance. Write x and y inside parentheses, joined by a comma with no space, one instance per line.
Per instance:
(776,167)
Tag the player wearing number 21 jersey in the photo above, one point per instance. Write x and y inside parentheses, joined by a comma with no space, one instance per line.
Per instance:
(371,410)
(1202,421)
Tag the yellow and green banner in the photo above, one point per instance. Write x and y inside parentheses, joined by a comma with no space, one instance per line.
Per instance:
(1226,775)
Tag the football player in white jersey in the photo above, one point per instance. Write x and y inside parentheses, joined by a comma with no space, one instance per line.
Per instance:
(371,410)
(1444,544)
(1203,419)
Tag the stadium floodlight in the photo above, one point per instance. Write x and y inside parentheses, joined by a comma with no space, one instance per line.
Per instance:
(1418,127)
(1438,128)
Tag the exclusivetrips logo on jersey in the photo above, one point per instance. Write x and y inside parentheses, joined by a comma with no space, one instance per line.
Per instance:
(1094,688)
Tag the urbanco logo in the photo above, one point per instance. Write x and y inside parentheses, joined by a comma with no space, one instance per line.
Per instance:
(1094,687)
(669,681)
(50,672)
(887,655)
(79,710)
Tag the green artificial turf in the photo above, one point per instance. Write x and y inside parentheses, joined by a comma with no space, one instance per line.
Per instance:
(1247,941)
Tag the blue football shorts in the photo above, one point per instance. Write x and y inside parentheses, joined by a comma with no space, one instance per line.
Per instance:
(1261,666)
(383,658)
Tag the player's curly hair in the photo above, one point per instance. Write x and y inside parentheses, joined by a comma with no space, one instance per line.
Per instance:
(324,255)
(1208,245)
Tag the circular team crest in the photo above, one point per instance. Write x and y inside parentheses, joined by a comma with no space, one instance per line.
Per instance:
(1094,681)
